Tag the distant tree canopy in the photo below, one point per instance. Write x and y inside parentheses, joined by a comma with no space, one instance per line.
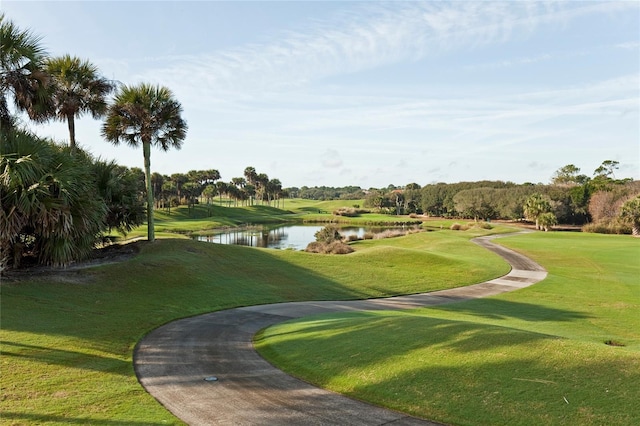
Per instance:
(322,193)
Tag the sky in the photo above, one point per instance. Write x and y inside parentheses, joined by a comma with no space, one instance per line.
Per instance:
(368,94)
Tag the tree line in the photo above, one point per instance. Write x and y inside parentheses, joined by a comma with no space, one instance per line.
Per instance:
(571,198)
(203,186)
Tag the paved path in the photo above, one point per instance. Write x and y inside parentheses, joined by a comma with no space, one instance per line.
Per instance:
(173,361)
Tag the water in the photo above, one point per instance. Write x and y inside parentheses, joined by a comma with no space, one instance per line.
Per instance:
(295,237)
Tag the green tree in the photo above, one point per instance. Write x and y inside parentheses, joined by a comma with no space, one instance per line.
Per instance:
(145,115)
(49,205)
(191,191)
(534,207)
(169,194)
(603,176)
(119,187)
(547,220)
(79,89)
(630,213)
(209,192)
(179,179)
(221,189)
(476,203)
(567,175)
(22,76)
(251,175)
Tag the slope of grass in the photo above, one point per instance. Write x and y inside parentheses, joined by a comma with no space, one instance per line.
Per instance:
(67,338)
(535,356)
(203,219)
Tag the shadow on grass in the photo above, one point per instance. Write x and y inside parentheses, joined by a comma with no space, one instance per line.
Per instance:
(111,307)
(29,418)
(456,372)
(504,309)
(65,358)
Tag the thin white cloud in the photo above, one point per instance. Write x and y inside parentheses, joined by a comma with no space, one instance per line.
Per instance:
(331,159)
(631,45)
(363,38)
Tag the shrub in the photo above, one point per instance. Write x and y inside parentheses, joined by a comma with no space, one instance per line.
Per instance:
(368,236)
(390,233)
(349,211)
(607,227)
(482,225)
(335,247)
(338,247)
(457,227)
(315,247)
(352,237)
(328,234)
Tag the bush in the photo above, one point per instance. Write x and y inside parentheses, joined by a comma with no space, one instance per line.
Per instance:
(328,234)
(335,247)
(338,247)
(457,227)
(349,211)
(368,236)
(390,233)
(482,225)
(607,227)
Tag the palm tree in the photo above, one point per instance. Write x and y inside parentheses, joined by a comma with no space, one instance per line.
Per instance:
(21,75)
(547,220)
(147,115)
(79,89)
(534,207)
(630,213)
(48,202)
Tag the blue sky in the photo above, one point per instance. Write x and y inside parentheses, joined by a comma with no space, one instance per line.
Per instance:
(368,93)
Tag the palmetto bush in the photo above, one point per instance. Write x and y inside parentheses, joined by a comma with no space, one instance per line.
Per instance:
(50,206)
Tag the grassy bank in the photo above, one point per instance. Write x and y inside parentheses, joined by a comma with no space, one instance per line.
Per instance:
(67,337)
(203,219)
(535,356)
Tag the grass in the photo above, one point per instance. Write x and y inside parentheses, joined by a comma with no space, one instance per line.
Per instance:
(535,356)
(202,219)
(67,338)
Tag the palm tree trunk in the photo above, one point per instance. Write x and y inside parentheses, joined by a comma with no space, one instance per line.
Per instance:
(146,149)
(72,131)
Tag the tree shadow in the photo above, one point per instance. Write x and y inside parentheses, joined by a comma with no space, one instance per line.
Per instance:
(493,308)
(65,358)
(454,371)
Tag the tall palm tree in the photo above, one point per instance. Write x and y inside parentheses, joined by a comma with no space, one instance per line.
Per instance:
(21,74)
(79,89)
(147,115)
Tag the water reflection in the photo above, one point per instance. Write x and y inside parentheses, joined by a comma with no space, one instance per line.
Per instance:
(295,237)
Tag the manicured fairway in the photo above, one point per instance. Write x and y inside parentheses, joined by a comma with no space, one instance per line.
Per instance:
(535,356)
(67,339)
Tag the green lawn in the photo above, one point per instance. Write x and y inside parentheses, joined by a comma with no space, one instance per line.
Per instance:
(203,219)
(535,356)
(67,339)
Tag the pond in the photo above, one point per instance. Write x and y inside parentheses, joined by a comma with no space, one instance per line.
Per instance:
(295,237)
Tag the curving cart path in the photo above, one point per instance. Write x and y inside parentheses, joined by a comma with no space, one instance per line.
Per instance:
(205,371)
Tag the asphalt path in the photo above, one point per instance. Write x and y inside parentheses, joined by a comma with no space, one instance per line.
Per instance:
(205,370)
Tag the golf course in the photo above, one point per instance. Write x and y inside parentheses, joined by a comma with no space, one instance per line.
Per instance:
(563,351)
